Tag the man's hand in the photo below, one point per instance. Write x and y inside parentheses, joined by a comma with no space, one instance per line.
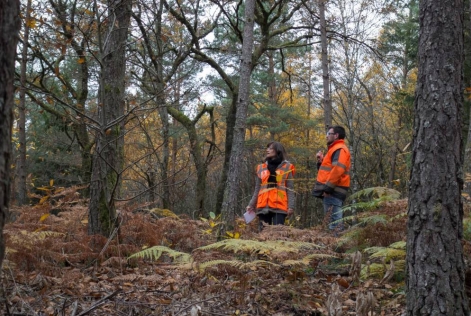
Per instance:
(250,209)
(320,156)
(290,211)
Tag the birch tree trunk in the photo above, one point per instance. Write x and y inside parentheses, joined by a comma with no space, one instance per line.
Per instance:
(10,27)
(232,188)
(435,282)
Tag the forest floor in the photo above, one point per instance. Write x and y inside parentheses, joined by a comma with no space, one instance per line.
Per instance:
(157,263)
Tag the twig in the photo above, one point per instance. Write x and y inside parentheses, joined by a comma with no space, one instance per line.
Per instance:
(74,310)
(99,303)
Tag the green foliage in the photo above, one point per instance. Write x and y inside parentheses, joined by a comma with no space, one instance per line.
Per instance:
(401,34)
(213,222)
(373,219)
(236,264)
(265,247)
(367,200)
(51,152)
(377,270)
(154,253)
(395,251)
(371,198)
(307,259)
(379,224)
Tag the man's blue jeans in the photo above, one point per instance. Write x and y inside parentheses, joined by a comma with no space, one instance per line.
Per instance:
(333,209)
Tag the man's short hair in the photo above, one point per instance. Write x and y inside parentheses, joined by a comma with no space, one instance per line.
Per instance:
(339,130)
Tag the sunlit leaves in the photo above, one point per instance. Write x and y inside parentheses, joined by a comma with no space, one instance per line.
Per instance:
(31,23)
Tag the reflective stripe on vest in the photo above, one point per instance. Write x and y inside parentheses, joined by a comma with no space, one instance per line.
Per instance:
(335,175)
(274,197)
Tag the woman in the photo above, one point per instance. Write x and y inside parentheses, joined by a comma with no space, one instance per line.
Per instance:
(274,197)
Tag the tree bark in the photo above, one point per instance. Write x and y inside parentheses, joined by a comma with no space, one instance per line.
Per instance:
(108,156)
(201,164)
(10,27)
(232,188)
(435,269)
(325,67)
(162,106)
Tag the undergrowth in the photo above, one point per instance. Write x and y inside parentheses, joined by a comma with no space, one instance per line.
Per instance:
(157,249)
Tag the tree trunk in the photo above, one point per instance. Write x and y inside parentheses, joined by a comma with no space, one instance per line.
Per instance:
(201,165)
(163,113)
(10,26)
(467,78)
(230,123)
(435,269)
(272,93)
(231,192)
(107,159)
(325,67)
(21,167)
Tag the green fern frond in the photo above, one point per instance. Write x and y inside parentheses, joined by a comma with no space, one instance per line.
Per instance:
(371,198)
(377,269)
(370,219)
(235,263)
(265,247)
(387,252)
(374,219)
(376,193)
(320,256)
(154,253)
(164,212)
(401,215)
(307,259)
(363,206)
(400,265)
(350,218)
(398,245)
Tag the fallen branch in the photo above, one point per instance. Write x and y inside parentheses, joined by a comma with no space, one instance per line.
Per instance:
(98,304)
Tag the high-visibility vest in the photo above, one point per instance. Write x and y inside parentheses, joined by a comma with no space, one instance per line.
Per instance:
(274,197)
(334,178)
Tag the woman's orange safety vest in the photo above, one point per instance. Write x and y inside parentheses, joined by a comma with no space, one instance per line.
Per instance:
(274,197)
(334,178)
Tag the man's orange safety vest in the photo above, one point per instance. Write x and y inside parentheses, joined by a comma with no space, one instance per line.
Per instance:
(334,178)
(274,197)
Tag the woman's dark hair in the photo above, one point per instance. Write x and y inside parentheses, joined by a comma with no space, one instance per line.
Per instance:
(280,150)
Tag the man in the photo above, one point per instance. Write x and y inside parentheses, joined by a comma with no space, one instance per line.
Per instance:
(333,178)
